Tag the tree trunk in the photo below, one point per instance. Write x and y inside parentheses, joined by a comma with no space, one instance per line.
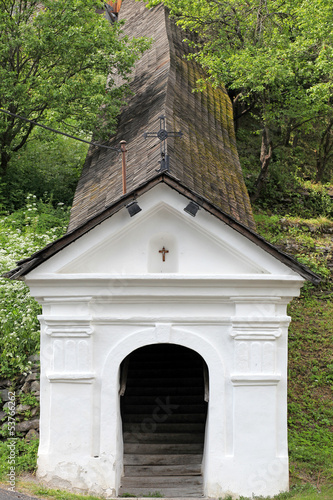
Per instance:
(295,139)
(324,151)
(4,161)
(240,109)
(265,159)
(287,135)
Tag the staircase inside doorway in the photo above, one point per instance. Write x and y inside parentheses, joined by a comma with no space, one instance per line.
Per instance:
(164,415)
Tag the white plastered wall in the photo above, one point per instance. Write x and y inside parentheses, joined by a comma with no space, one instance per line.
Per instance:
(108,294)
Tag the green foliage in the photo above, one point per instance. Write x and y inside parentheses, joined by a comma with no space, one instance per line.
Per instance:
(59,495)
(21,234)
(299,492)
(259,46)
(288,188)
(311,385)
(7,424)
(25,456)
(55,58)
(309,240)
(48,166)
(28,399)
(34,219)
(19,329)
(287,192)
(274,59)
(310,406)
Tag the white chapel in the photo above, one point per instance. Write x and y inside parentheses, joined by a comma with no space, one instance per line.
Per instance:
(164,325)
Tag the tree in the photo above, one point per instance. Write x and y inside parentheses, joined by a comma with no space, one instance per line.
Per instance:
(48,166)
(274,57)
(55,58)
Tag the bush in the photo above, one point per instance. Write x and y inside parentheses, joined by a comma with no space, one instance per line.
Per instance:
(23,233)
(25,457)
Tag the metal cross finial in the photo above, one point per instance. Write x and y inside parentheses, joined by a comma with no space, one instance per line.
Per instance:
(163,135)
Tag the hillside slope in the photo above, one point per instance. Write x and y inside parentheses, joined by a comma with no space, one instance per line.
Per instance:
(310,376)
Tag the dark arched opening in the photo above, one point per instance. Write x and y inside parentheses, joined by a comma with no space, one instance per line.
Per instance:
(164,394)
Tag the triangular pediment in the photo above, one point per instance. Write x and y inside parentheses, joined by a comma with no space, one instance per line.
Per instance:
(162,239)
(138,249)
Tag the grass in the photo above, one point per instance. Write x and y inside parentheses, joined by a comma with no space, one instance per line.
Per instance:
(299,492)
(304,492)
(31,488)
(310,362)
(310,389)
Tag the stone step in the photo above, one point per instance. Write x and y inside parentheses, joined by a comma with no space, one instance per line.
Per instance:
(165,406)
(163,470)
(159,448)
(177,459)
(163,437)
(157,482)
(149,425)
(188,491)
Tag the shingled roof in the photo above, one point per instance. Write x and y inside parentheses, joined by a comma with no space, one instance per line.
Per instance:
(204,160)
(204,165)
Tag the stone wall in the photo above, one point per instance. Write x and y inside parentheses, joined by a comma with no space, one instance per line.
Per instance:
(322,232)
(27,397)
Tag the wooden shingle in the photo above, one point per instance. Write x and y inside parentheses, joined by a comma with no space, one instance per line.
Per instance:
(205,159)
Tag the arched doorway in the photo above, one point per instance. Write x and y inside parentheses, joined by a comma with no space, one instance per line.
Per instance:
(164,394)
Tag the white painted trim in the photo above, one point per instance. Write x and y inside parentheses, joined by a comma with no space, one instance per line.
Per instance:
(152,279)
(257,380)
(216,415)
(71,378)
(151,320)
(69,327)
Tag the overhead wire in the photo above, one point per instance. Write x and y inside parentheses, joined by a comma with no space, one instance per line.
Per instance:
(59,132)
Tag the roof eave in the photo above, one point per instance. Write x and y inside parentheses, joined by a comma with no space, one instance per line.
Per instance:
(27,265)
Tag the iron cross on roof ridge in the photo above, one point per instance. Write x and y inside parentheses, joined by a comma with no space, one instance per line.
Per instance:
(163,135)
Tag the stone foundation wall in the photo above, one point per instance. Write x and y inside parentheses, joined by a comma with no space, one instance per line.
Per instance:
(27,398)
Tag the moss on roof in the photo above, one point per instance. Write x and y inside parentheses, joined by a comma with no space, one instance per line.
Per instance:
(205,159)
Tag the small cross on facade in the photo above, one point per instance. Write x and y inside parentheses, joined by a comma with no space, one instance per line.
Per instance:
(163,252)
